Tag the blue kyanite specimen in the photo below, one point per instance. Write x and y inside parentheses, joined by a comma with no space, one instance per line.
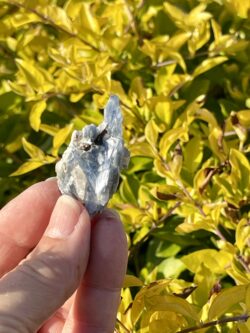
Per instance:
(90,167)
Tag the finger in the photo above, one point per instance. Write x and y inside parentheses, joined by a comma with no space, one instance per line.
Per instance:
(32,292)
(23,221)
(56,323)
(97,299)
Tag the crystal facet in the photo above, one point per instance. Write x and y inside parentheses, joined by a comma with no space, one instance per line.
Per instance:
(90,167)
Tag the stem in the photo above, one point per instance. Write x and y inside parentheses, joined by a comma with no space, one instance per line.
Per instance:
(243,262)
(216,322)
(219,234)
(122,325)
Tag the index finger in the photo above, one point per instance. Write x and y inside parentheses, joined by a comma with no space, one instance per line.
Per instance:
(23,221)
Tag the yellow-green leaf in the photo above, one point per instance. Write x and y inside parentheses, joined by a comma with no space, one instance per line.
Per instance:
(151,132)
(33,151)
(214,260)
(27,167)
(132,281)
(225,300)
(57,16)
(193,154)
(22,18)
(207,116)
(239,7)
(244,117)
(61,137)
(14,145)
(32,74)
(88,19)
(51,130)
(171,303)
(243,234)
(240,173)
(176,14)
(35,114)
(208,64)
(171,137)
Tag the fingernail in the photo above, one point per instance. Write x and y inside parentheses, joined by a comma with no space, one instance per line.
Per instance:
(50,178)
(64,217)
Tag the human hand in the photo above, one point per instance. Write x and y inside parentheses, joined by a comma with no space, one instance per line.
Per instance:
(59,273)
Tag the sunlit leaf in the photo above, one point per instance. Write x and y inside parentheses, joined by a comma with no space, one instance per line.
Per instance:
(34,77)
(35,114)
(60,137)
(171,137)
(171,303)
(27,167)
(151,132)
(225,300)
(132,281)
(208,64)
(33,151)
(243,234)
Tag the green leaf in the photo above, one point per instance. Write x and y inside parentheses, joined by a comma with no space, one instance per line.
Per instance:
(35,114)
(171,267)
(129,190)
(139,163)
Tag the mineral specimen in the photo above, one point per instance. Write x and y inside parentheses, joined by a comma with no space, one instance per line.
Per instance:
(90,167)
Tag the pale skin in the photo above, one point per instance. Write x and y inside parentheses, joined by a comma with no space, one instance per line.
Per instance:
(60,272)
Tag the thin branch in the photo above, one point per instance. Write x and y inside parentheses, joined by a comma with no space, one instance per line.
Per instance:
(243,262)
(233,133)
(122,325)
(164,63)
(219,234)
(222,321)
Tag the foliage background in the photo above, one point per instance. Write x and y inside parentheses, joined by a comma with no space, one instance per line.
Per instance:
(182,72)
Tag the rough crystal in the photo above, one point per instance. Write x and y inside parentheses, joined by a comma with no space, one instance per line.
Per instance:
(90,167)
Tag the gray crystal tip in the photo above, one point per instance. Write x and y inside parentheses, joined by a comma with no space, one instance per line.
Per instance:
(90,167)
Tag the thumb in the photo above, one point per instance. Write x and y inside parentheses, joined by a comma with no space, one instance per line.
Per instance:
(36,288)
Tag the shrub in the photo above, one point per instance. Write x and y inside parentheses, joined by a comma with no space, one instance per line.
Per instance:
(181,70)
